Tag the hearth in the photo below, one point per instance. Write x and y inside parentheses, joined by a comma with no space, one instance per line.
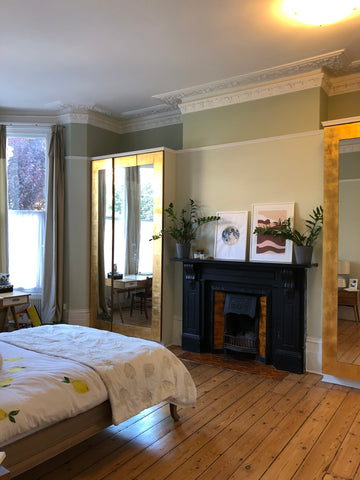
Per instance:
(269,300)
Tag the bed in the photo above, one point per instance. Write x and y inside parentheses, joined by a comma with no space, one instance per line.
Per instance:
(61,384)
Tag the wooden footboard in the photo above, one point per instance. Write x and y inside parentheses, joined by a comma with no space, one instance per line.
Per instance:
(29,452)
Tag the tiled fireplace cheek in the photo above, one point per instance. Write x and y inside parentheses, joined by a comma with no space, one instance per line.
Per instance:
(281,292)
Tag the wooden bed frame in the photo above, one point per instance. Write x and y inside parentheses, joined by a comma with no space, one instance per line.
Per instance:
(28,452)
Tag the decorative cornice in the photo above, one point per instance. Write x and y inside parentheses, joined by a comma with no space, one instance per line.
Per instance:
(337,62)
(280,87)
(153,117)
(326,71)
(345,84)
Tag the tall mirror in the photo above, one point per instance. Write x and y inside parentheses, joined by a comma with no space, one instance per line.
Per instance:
(348,335)
(125,265)
(341,252)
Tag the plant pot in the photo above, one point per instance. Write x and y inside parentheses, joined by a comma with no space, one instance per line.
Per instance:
(183,250)
(303,254)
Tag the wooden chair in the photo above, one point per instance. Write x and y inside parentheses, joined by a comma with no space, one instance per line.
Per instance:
(142,297)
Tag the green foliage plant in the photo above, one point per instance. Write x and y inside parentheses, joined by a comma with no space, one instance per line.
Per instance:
(284,229)
(183,226)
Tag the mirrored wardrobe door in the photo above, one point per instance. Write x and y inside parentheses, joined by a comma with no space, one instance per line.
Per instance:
(101,244)
(126,267)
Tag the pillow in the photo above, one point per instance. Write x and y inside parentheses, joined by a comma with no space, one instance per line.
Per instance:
(1,361)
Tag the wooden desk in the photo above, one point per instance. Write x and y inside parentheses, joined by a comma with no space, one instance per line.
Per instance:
(126,284)
(350,298)
(8,301)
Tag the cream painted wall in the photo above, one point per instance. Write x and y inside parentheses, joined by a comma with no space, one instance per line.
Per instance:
(234,176)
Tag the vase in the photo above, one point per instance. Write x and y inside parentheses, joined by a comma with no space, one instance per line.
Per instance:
(303,254)
(183,250)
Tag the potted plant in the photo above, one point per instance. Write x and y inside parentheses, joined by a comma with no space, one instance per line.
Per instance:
(183,226)
(303,242)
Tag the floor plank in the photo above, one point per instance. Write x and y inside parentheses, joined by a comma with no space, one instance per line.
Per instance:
(244,426)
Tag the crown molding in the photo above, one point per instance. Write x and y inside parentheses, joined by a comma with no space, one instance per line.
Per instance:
(153,117)
(335,72)
(337,62)
(147,118)
(281,87)
(345,84)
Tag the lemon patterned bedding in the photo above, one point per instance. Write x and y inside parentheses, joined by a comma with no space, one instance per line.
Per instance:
(54,372)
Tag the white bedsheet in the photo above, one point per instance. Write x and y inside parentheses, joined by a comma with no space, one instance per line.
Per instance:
(137,373)
(39,390)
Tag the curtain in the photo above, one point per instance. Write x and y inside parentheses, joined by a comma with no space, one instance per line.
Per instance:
(52,305)
(4,255)
(102,307)
(132,220)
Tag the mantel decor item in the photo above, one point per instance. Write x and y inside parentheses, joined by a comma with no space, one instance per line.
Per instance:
(183,227)
(231,235)
(265,246)
(303,242)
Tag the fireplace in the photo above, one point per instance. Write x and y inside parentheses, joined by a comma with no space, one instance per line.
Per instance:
(246,308)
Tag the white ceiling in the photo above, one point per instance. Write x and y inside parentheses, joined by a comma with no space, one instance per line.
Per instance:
(116,55)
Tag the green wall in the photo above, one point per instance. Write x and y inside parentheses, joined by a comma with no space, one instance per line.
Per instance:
(343,106)
(280,115)
(170,137)
(87,140)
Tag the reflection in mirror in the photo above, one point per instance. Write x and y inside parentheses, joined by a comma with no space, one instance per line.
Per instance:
(126,268)
(132,257)
(348,338)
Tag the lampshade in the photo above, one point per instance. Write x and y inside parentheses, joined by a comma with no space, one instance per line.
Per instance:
(343,267)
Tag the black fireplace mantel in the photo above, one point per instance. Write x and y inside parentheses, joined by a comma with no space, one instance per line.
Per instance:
(283,284)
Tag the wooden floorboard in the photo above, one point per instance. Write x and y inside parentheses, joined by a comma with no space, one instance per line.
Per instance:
(244,426)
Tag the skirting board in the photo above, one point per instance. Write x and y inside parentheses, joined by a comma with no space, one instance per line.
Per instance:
(313,355)
(341,381)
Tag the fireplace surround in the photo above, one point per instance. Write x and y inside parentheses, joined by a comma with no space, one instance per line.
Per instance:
(280,292)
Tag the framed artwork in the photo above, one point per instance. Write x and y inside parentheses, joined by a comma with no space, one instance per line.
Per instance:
(231,235)
(353,284)
(265,248)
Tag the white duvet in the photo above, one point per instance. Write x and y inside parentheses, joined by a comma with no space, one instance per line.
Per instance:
(133,373)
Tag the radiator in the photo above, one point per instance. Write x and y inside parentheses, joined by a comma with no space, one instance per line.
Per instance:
(36,301)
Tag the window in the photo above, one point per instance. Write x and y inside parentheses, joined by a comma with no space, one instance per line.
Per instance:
(26,156)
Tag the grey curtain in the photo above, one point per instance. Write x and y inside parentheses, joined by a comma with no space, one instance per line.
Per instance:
(52,305)
(4,250)
(132,219)
(102,306)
